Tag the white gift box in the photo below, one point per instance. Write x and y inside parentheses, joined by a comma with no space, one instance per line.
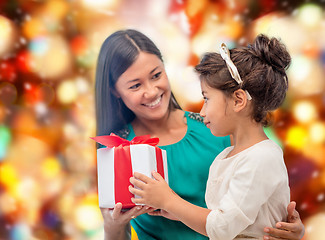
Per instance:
(114,170)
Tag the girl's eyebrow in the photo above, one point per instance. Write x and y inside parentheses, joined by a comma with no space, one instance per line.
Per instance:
(137,79)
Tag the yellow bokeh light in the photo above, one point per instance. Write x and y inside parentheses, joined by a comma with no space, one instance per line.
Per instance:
(8,176)
(33,28)
(296,137)
(99,4)
(50,167)
(88,209)
(310,15)
(317,132)
(67,92)
(305,111)
(6,35)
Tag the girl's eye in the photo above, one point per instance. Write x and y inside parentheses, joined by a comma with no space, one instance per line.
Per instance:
(157,75)
(135,86)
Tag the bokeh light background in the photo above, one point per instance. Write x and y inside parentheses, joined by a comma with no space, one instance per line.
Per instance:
(48,54)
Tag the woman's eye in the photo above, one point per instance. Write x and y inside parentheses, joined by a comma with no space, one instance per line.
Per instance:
(135,86)
(205,99)
(157,75)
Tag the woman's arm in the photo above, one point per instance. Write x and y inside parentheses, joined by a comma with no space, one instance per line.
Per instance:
(157,194)
(117,223)
(292,230)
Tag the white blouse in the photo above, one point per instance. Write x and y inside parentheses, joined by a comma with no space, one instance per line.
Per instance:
(247,192)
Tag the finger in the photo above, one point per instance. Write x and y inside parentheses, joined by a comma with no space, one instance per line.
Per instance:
(278,233)
(142,177)
(135,191)
(137,183)
(291,208)
(117,210)
(137,200)
(157,176)
(292,227)
(155,213)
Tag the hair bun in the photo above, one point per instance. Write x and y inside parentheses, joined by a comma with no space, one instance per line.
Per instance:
(272,52)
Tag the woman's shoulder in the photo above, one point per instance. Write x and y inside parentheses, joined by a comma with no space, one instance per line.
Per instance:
(123,132)
(196,117)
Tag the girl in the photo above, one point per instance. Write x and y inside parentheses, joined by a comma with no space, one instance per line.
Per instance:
(133,97)
(247,187)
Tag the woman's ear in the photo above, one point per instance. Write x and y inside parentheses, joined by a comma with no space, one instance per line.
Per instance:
(240,100)
(115,93)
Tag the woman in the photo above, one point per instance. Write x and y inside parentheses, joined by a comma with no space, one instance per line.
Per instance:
(133,97)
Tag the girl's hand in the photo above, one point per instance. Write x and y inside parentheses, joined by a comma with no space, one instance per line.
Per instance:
(116,221)
(291,230)
(164,213)
(153,192)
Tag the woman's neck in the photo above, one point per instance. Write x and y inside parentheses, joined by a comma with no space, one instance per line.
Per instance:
(169,129)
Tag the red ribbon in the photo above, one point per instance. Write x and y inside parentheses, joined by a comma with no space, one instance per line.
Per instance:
(122,163)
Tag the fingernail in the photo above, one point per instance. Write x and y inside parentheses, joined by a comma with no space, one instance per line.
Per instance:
(266,230)
(139,208)
(147,208)
(266,238)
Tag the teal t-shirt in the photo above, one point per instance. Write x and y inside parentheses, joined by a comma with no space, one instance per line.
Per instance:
(189,161)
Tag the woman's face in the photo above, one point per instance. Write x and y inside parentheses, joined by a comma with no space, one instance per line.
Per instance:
(144,87)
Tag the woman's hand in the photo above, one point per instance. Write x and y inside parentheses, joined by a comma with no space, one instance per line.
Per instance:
(291,230)
(116,222)
(153,192)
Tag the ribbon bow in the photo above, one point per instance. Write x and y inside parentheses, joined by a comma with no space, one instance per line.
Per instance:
(225,54)
(113,140)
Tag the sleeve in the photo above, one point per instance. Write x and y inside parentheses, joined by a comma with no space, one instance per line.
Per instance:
(255,178)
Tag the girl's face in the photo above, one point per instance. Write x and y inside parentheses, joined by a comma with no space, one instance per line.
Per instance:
(144,87)
(216,110)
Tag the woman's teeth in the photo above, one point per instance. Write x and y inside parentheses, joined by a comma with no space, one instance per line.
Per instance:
(154,103)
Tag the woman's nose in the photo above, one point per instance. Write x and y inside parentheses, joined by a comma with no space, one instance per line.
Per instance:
(151,90)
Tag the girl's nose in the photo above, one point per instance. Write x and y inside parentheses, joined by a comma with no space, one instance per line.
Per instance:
(202,112)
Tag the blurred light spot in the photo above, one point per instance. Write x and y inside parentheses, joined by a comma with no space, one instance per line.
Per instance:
(5,138)
(51,167)
(296,137)
(304,111)
(320,197)
(40,109)
(8,204)
(6,35)
(33,27)
(300,68)
(67,92)
(88,209)
(8,175)
(310,15)
(99,3)
(39,46)
(315,226)
(20,231)
(317,132)
(8,93)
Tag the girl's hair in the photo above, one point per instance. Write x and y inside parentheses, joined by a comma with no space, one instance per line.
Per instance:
(261,67)
(118,52)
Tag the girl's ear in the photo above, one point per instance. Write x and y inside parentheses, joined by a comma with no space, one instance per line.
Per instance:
(240,100)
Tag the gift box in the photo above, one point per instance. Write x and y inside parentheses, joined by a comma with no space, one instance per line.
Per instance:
(119,160)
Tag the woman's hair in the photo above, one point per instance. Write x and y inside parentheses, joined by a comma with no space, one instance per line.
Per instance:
(262,68)
(118,52)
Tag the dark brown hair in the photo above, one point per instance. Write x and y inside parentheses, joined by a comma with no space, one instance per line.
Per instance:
(262,68)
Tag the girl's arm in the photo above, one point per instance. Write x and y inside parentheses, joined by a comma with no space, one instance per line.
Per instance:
(157,194)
